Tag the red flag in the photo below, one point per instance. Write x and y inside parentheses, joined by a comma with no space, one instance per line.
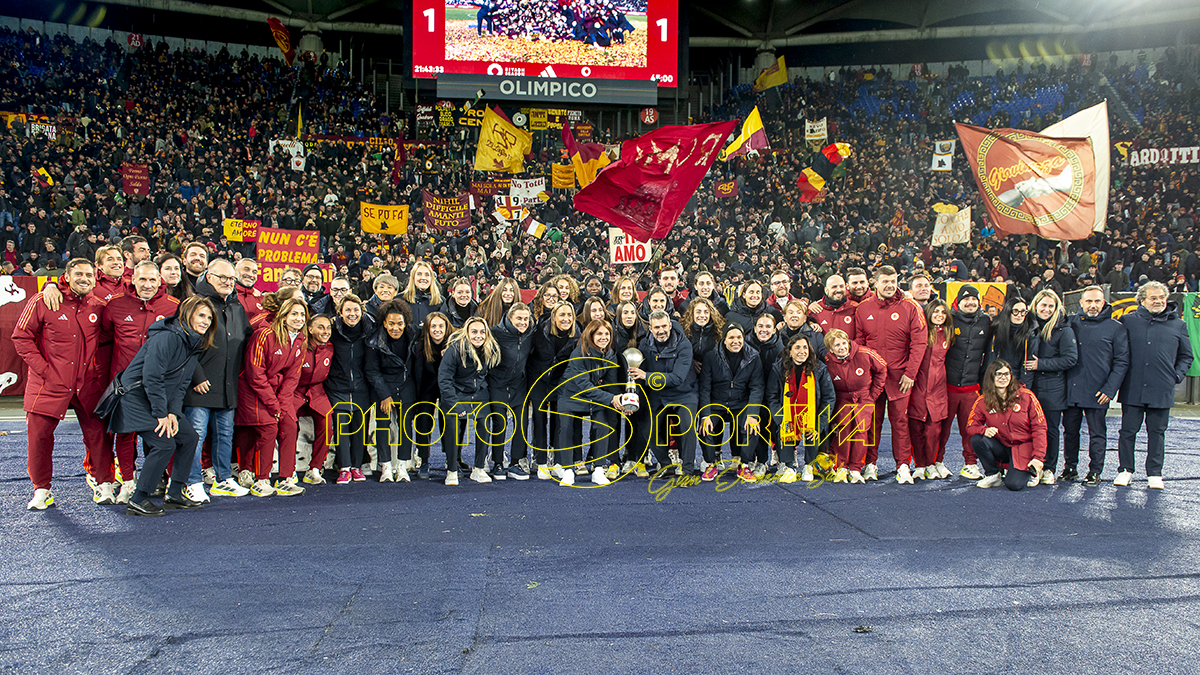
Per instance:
(1032,183)
(282,38)
(644,192)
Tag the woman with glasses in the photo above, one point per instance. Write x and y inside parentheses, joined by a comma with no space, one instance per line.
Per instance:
(1015,338)
(1007,426)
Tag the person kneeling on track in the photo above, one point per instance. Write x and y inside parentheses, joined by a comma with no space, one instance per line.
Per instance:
(1007,426)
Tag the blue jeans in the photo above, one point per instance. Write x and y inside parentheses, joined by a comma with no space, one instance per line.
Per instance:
(222,449)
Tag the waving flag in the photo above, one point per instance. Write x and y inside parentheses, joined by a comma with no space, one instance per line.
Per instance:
(644,192)
(587,158)
(752,137)
(283,39)
(813,179)
(772,77)
(502,146)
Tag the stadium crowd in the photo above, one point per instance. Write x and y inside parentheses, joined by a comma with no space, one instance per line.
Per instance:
(770,297)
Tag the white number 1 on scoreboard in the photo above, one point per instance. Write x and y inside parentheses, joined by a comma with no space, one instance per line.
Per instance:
(430,12)
(661,23)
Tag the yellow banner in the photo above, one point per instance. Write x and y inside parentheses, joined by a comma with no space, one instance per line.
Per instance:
(502,146)
(237,229)
(381,219)
(564,177)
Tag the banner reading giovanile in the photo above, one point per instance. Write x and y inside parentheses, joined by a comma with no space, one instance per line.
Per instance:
(280,249)
(446,213)
(1033,184)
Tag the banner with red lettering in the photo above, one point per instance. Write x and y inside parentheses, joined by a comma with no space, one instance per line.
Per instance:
(280,249)
(1033,184)
(489,188)
(644,191)
(447,213)
(135,178)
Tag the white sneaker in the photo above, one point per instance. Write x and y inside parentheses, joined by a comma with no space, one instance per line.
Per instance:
(786,475)
(1123,478)
(480,476)
(451,478)
(91,481)
(942,471)
(566,477)
(922,473)
(42,500)
(543,472)
(1034,480)
(262,488)
(903,475)
(386,474)
(314,477)
(857,477)
(806,474)
(1154,482)
(971,471)
(228,488)
(401,471)
(195,492)
(288,487)
(209,475)
(126,492)
(245,478)
(598,477)
(1047,477)
(870,472)
(991,481)
(105,494)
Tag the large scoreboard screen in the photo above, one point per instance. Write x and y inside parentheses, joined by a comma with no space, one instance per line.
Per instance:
(611,39)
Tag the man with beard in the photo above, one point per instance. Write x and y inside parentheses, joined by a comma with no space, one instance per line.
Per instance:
(964,367)
(136,250)
(1092,382)
(250,297)
(195,260)
(834,310)
(894,327)
(858,288)
(920,288)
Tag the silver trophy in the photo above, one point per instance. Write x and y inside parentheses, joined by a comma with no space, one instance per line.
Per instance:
(634,358)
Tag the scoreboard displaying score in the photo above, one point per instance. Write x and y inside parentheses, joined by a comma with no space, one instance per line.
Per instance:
(604,39)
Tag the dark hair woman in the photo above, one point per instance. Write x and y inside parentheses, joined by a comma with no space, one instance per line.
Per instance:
(1015,338)
(157,379)
(389,371)
(553,342)
(507,386)
(731,390)
(592,385)
(177,283)
(310,397)
(800,393)
(427,352)
(928,404)
(495,306)
(1007,426)
(347,386)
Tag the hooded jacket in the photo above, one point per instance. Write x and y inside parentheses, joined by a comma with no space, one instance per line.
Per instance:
(347,372)
(164,366)
(389,368)
(732,380)
(458,314)
(592,380)
(1160,355)
(515,348)
(965,358)
(1103,346)
(459,382)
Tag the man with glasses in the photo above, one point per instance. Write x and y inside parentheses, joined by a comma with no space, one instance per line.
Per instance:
(313,284)
(213,394)
(781,293)
(290,277)
(1160,354)
(338,289)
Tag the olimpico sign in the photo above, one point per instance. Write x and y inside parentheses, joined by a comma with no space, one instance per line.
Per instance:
(554,89)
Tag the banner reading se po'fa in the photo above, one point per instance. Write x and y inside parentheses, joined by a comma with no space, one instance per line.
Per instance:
(280,249)
(383,219)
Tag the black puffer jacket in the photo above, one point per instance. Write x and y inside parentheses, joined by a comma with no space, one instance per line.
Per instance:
(672,358)
(626,338)
(164,366)
(768,352)
(548,358)
(703,340)
(733,380)
(747,316)
(964,359)
(421,308)
(515,348)
(389,368)
(816,339)
(221,364)
(1055,357)
(347,372)
(458,314)
(459,382)
(425,373)
(595,379)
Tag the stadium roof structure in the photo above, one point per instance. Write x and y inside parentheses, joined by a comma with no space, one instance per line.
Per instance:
(769,24)
(369,16)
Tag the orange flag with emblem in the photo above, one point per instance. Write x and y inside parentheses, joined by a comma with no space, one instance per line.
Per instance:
(502,146)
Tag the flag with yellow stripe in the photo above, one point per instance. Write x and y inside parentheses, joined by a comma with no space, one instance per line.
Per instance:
(813,179)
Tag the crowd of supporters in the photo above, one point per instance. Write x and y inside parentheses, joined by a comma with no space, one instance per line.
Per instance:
(764,262)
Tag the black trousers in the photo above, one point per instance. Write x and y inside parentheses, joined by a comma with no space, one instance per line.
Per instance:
(179,451)
(349,427)
(659,441)
(504,401)
(420,420)
(991,453)
(386,440)
(1156,436)
(570,437)
(1097,437)
(733,425)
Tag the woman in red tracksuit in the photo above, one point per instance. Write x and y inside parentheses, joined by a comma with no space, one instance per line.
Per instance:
(310,397)
(266,398)
(858,376)
(1007,426)
(928,406)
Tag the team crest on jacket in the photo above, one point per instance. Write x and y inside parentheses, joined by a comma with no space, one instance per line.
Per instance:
(848,319)
(160,317)
(858,371)
(93,318)
(326,361)
(895,316)
(958,331)
(1016,407)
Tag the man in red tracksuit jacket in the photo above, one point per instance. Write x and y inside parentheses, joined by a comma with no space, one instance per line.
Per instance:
(835,310)
(246,271)
(58,346)
(126,322)
(893,326)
